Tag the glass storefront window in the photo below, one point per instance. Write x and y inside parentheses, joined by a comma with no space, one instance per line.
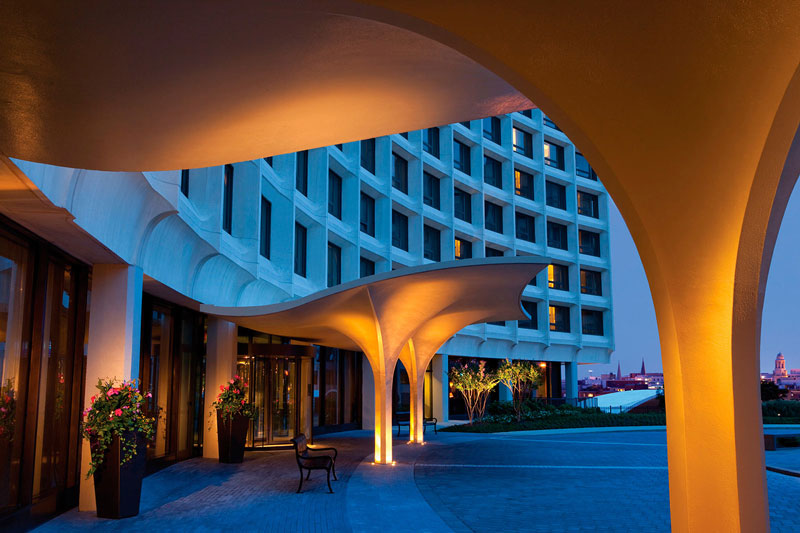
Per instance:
(14,260)
(332,387)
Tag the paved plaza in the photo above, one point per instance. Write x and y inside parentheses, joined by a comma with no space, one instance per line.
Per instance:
(525,481)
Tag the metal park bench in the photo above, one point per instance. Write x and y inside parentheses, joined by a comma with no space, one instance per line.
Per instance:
(306,461)
(403,418)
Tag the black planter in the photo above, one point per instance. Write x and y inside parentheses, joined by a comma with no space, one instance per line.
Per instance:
(231,437)
(118,487)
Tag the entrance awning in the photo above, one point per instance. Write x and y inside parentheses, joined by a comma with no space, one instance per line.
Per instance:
(404,314)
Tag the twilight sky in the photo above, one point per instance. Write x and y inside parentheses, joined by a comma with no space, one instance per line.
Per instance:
(635,329)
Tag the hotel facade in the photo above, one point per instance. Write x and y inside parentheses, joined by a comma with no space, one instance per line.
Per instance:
(98,257)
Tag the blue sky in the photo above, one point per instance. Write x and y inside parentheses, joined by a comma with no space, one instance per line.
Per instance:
(635,321)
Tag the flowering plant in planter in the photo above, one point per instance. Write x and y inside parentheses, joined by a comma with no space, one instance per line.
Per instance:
(232,400)
(8,410)
(115,410)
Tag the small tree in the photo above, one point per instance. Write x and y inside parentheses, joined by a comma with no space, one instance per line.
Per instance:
(771,391)
(474,383)
(521,378)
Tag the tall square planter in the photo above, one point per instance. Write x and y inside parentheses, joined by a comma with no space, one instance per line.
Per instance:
(231,437)
(118,487)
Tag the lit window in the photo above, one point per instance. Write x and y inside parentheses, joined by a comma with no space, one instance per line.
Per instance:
(463,249)
(523,184)
(523,142)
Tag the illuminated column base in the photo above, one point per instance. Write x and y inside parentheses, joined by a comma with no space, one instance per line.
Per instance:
(383,417)
(417,418)
(220,367)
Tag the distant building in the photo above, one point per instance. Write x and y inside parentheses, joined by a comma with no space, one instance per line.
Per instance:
(780,367)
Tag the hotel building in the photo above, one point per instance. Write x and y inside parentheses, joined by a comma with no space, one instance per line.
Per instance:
(92,256)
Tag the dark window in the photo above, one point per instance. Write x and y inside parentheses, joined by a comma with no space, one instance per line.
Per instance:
(404,135)
(399,230)
(559,318)
(268,160)
(185,182)
(334,265)
(433,243)
(301,177)
(367,214)
(532,282)
(527,113)
(368,154)
(556,195)
(462,207)
(553,155)
(591,282)
(591,322)
(430,141)
(549,123)
(582,167)
(465,123)
(340,147)
(588,204)
(523,142)
(266,227)
(463,248)
(366,267)
(557,236)
(493,215)
(532,309)
(558,277)
(526,227)
(399,173)
(589,242)
(431,193)
(523,184)
(491,129)
(493,172)
(227,200)
(461,157)
(300,249)
(493,252)
(334,194)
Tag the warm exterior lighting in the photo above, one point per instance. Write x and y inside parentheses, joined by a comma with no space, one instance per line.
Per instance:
(402,315)
(543,364)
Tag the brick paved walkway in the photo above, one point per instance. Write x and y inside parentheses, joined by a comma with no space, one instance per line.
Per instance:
(602,481)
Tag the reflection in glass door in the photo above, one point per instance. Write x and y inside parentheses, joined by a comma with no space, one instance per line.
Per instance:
(283,399)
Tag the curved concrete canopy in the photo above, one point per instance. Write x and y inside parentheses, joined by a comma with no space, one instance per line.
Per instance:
(378,314)
(150,85)
(405,314)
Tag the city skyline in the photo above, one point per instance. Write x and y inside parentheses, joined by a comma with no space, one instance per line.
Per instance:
(635,325)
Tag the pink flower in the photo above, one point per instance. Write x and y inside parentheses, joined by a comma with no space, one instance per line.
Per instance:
(149,394)
(227,387)
(125,407)
(242,402)
(237,377)
(236,391)
(245,385)
(118,412)
(222,387)
(231,382)
(2,409)
(93,399)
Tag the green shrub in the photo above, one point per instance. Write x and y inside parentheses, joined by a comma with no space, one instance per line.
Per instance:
(782,408)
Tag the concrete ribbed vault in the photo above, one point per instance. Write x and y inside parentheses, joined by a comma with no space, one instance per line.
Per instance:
(689,114)
(405,314)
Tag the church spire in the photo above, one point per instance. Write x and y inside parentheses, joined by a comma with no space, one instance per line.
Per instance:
(643,370)
(619,372)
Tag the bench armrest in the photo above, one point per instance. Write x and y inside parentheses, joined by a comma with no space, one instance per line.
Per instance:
(315,449)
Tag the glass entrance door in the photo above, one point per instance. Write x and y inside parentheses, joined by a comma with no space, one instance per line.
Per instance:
(273,390)
(283,408)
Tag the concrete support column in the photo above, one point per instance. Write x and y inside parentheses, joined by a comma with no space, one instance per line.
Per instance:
(220,367)
(441,388)
(383,415)
(115,323)
(571,377)
(417,417)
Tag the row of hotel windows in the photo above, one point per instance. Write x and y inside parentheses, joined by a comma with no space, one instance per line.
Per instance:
(591,320)
(556,197)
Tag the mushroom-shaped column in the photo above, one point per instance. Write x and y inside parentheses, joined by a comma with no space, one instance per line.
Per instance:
(404,314)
